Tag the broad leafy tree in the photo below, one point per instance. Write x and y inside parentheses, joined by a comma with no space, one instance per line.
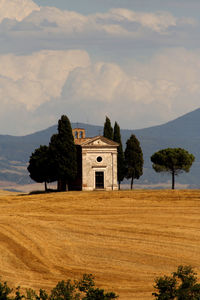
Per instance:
(120,154)
(63,154)
(133,159)
(173,161)
(108,130)
(181,285)
(40,166)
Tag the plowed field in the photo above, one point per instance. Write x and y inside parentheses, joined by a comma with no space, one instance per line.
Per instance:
(124,238)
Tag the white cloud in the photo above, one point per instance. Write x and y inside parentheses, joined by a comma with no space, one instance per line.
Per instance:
(113,22)
(55,81)
(108,83)
(116,22)
(168,85)
(115,30)
(162,84)
(37,87)
(16,9)
(159,21)
(67,21)
(40,87)
(96,82)
(35,79)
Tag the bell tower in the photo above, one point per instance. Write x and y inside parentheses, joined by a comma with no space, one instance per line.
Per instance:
(78,133)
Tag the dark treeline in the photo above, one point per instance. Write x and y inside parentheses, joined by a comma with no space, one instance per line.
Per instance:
(83,289)
(58,161)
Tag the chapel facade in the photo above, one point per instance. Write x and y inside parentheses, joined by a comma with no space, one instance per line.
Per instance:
(97,162)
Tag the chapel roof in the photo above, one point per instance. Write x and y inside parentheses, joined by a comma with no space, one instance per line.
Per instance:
(97,141)
(81,141)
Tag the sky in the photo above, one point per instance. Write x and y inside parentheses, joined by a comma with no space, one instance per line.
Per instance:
(135,61)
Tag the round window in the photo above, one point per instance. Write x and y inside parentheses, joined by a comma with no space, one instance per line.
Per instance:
(99,158)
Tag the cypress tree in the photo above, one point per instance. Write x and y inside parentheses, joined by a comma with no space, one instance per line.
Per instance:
(63,152)
(120,154)
(108,130)
(133,159)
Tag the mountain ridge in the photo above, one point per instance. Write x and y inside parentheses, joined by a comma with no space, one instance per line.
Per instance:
(184,125)
(182,132)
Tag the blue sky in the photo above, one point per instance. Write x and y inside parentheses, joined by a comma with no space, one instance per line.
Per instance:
(137,61)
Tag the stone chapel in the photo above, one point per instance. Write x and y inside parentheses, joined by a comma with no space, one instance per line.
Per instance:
(97,162)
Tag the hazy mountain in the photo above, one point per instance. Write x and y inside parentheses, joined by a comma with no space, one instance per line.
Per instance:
(182,132)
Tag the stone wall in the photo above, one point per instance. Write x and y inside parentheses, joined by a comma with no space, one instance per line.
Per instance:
(91,165)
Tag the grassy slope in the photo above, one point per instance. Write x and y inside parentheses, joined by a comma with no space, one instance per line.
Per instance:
(124,238)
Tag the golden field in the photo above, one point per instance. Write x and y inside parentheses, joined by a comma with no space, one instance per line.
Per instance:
(124,238)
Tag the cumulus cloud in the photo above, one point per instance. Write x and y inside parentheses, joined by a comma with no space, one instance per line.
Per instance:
(98,81)
(35,79)
(168,85)
(16,9)
(42,86)
(106,82)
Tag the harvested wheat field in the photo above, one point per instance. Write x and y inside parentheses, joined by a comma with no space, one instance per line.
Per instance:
(124,238)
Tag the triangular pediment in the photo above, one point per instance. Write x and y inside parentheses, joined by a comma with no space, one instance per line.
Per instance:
(100,141)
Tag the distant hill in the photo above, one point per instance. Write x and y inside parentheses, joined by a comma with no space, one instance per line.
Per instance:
(182,132)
